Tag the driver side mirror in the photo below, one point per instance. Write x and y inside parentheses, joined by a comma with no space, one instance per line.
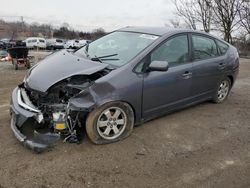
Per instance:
(158,66)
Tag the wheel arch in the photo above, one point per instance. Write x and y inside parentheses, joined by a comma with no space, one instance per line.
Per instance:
(231,78)
(120,101)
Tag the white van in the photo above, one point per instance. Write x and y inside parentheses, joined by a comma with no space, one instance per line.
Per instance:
(54,43)
(72,44)
(35,42)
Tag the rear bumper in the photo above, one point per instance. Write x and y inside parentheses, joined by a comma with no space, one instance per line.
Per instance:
(20,113)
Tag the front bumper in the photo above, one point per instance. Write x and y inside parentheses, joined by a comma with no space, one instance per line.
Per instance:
(21,111)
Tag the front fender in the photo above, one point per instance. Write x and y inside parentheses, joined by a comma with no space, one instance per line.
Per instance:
(93,97)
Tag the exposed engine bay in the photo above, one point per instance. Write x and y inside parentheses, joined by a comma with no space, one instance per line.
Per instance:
(54,112)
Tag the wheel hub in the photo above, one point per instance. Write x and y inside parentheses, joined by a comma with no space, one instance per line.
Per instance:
(223,90)
(111,123)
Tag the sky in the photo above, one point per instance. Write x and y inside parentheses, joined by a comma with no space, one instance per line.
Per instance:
(91,14)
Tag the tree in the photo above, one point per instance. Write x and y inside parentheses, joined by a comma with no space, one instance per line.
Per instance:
(226,14)
(204,14)
(175,23)
(186,10)
(194,11)
(245,16)
(97,33)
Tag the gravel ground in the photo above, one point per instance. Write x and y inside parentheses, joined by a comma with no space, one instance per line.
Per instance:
(207,145)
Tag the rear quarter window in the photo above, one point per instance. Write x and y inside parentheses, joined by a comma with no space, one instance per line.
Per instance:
(222,47)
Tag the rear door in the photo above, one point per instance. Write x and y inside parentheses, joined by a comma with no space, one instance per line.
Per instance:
(208,66)
(163,91)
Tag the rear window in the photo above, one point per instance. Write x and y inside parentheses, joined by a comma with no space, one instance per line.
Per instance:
(222,47)
(77,41)
(204,47)
(58,40)
(42,41)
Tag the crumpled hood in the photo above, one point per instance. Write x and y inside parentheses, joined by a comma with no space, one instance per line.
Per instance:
(57,67)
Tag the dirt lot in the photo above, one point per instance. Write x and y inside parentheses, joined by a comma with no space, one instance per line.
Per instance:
(207,145)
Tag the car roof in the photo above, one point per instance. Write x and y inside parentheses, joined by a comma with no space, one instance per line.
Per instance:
(160,31)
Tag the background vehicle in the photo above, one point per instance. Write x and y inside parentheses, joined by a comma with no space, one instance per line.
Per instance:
(84,42)
(35,42)
(7,43)
(72,44)
(3,54)
(2,45)
(54,44)
(19,57)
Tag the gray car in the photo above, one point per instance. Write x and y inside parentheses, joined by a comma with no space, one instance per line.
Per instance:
(123,79)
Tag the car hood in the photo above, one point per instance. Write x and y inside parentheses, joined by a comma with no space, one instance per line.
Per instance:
(59,66)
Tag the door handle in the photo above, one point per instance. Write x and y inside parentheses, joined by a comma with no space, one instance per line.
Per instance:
(187,75)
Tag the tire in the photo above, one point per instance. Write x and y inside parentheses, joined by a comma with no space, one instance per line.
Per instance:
(97,123)
(222,91)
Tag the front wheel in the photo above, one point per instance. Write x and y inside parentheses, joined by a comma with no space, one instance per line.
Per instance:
(110,123)
(222,91)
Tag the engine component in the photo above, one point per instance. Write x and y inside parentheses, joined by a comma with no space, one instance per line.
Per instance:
(59,121)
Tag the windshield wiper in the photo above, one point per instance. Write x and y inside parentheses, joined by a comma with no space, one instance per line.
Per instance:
(110,59)
(111,55)
(103,58)
(97,59)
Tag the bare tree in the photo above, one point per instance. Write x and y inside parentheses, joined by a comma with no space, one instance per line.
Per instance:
(245,16)
(226,16)
(204,14)
(175,23)
(186,10)
(194,11)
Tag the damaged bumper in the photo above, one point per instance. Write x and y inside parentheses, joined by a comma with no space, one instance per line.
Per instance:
(22,110)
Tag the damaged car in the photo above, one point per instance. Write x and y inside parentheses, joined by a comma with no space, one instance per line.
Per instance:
(123,79)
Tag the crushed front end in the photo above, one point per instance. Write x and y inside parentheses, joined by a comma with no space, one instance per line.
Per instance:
(39,119)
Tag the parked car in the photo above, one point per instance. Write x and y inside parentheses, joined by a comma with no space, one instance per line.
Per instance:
(6,43)
(3,54)
(5,40)
(72,44)
(84,42)
(2,45)
(19,43)
(145,73)
(36,42)
(54,44)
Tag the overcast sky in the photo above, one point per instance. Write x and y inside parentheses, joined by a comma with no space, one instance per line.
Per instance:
(90,14)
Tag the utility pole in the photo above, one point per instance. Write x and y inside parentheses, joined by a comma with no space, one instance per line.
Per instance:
(22,22)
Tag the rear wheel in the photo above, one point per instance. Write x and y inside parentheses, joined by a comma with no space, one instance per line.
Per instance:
(222,91)
(111,122)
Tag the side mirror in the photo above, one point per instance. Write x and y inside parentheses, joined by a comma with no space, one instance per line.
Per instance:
(158,66)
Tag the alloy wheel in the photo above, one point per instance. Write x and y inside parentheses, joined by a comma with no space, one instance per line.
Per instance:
(111,123)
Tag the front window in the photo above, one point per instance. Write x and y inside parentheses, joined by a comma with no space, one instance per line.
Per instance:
(117,48)
(174,51)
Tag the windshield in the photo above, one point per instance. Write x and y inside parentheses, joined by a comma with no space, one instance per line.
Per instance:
(117,48)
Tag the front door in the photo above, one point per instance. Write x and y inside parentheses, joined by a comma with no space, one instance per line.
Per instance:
(163,91)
